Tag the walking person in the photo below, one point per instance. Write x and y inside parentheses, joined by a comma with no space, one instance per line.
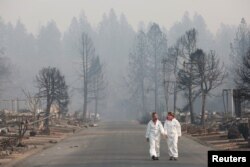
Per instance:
(153,136)
(172,129)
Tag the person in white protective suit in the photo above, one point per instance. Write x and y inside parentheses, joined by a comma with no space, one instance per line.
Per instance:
(153,136)
(172,129)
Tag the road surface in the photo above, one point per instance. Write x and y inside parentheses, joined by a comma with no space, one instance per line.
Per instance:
(115,144)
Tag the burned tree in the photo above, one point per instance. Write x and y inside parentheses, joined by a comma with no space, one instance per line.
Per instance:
(52,86)
(5,70)
(170,72)
(98,83)
(243,72)
(87,52)
(186,75)
(22,128)
(210,75)
(240,45)
(239,64)
(243,81)
(138,71)
(157,49)
(32,102)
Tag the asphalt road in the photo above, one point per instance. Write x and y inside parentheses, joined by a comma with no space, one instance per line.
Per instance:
(115,144)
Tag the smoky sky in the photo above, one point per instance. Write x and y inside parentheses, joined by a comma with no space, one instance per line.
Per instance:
(35,13)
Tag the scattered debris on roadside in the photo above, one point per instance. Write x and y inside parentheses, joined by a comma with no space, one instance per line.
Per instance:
(222,134)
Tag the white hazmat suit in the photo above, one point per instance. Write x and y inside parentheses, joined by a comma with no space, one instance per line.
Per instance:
(173,131)
(154,131)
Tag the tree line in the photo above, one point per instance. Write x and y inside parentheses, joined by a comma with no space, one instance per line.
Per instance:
(156,59)
(156,70)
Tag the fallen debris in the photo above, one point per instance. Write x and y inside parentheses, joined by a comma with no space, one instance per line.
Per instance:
(33,139)
(53,141)
(93,125)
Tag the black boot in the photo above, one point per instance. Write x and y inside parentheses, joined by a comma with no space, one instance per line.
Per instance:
(153,157)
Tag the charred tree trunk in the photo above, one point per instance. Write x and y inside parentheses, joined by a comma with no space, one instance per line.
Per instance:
(143,98)
(190,100)
(47,114)
(96,98)
(175,97)
(22,128)
(202,122)
(85,102)
(156,84)
(96,109)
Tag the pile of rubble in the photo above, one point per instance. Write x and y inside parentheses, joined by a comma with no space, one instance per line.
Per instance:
(225,134)
(199,130)
(16,126)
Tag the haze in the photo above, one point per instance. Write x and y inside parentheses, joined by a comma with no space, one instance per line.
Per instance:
(34,13)
(45,33)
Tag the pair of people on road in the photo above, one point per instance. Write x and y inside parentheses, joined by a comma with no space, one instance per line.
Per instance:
(171,130)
